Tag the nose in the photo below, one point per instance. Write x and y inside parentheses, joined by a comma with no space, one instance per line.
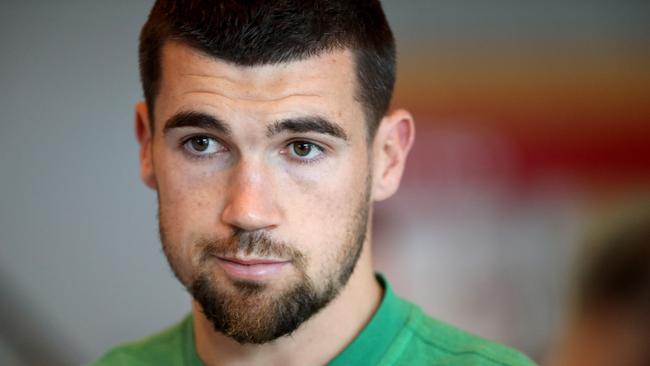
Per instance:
(251,199)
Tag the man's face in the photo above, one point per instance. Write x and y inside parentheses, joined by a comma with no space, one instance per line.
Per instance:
(263,184)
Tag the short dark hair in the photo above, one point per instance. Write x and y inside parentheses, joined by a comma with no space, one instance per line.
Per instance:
(617,273)
(258,32)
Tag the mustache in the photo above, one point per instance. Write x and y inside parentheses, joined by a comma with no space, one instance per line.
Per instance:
(250,243)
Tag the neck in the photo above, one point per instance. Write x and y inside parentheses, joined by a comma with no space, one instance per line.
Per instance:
(315,342)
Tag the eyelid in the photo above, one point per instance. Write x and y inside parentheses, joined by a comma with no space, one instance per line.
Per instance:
(320,144)
(188,138)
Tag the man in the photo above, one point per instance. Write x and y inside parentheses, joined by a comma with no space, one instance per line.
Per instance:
(609,321)
(266,136)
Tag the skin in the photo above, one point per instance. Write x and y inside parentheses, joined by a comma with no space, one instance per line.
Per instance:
(256,182)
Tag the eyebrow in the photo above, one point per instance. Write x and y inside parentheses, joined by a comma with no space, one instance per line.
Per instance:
(307,124)
(297,125)
(196,119)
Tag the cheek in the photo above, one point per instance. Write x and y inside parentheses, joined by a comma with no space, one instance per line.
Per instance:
(320,213)
(189,202)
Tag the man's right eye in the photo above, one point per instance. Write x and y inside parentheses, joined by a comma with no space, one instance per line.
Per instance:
(202,146)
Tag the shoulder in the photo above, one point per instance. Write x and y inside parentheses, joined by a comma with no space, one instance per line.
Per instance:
(162,348)
(424,340)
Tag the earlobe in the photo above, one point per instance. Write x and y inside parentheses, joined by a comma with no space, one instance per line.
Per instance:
(144,135)
(392,144)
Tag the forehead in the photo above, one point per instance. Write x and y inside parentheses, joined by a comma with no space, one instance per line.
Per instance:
(324,84)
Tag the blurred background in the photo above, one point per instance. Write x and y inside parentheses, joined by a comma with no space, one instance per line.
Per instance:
(533,124)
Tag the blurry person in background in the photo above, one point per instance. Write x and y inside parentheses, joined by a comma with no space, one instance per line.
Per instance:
(610,321)
(266,134)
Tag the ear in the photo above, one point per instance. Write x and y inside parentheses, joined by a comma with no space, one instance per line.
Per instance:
(391,146)
(144,134)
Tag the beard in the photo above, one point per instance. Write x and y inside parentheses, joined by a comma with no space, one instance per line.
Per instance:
(252,312)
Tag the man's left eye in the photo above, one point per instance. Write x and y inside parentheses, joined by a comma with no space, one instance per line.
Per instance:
(304,150)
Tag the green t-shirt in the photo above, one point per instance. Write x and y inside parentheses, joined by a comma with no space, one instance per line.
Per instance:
(398,334)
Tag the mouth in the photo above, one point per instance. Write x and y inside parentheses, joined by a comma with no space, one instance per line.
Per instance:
(255,269)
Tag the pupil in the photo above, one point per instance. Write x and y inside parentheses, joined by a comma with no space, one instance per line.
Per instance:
(200,143)
(302,148)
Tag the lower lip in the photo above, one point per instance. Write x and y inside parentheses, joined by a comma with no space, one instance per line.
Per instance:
(255,272)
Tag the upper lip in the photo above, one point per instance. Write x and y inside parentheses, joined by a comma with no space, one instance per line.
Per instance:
(253,261)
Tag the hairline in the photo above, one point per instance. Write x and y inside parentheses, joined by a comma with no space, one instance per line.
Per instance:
(355,53)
